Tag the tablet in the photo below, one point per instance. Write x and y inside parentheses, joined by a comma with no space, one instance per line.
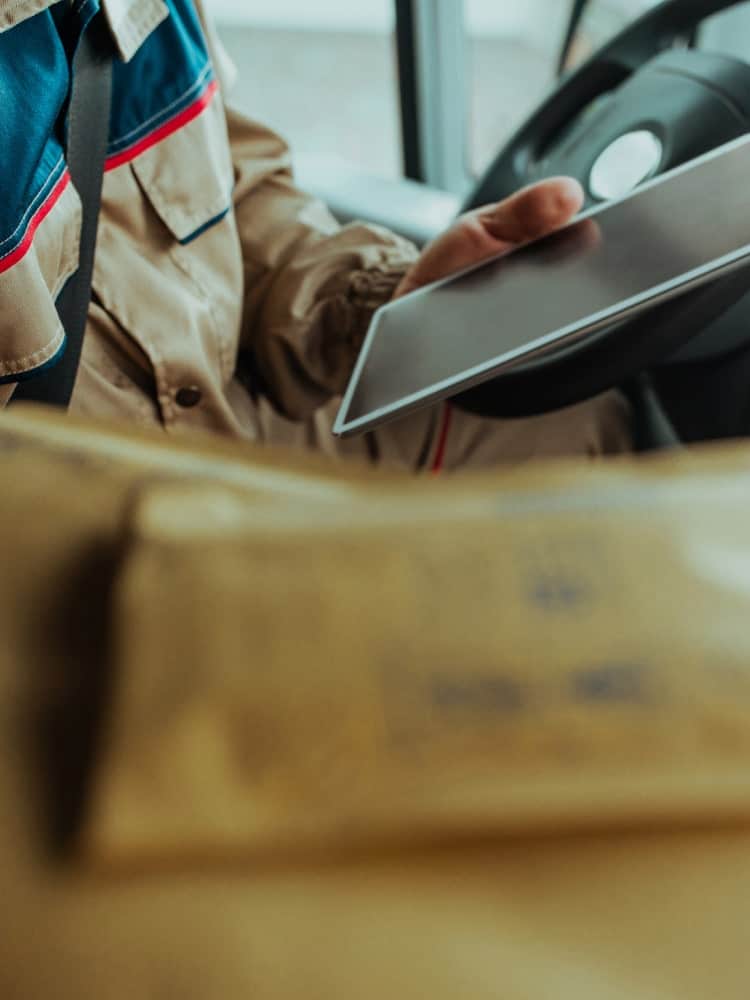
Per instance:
(672,234)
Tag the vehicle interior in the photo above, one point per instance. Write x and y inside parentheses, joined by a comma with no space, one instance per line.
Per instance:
(275,726)
(612,92)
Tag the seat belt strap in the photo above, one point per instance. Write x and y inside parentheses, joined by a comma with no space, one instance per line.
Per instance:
(88,133)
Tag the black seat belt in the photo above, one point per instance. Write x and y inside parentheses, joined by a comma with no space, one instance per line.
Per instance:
(88,132)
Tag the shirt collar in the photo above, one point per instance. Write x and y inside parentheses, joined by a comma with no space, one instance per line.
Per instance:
(130,21)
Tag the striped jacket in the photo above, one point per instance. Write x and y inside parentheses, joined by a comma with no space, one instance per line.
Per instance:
(213,272)
(224,298)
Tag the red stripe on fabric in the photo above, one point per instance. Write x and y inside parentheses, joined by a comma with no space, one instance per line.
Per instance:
(165,130)
(437,465)
(41,214)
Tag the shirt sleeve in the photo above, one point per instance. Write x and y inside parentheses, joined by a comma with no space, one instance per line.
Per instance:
(311,285)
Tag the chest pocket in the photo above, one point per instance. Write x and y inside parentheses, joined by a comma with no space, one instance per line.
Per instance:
(169,266)
(188,177)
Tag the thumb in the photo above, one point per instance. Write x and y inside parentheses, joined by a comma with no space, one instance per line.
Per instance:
(531,213)
(486,232)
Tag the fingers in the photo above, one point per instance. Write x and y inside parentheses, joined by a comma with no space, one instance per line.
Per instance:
(487,232)
(533,211)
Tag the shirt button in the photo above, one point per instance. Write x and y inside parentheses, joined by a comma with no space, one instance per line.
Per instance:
(188,396)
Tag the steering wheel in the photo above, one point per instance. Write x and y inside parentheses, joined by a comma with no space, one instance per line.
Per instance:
(640,81)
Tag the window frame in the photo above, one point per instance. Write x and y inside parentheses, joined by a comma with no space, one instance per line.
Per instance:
(433,69)
(433,92)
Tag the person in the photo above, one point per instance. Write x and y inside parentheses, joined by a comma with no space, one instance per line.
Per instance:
(224,298)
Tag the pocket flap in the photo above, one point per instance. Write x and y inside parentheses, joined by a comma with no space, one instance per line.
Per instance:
(188,177)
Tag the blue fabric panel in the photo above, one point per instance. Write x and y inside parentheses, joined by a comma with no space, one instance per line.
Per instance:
(34,83)
(168,73)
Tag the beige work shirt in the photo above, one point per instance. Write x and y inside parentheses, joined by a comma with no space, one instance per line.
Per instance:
(250,328)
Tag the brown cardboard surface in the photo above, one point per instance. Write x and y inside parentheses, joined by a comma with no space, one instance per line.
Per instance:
(418,665)
(481,739)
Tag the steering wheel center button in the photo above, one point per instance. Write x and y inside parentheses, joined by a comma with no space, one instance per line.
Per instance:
(625,164)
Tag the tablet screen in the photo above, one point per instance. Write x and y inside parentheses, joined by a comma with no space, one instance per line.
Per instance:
(671,234)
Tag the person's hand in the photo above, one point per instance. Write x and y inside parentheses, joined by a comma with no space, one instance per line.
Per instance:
(495,229)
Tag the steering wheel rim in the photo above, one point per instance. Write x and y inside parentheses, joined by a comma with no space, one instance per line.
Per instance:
(653,32)
(584,369)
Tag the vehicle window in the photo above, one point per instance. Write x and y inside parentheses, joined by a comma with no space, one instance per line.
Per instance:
(514,51)
(601,21)
(323,74)
(728,32)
